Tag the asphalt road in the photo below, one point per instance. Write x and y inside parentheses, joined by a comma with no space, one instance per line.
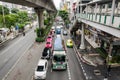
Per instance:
(11,51)
(73,72)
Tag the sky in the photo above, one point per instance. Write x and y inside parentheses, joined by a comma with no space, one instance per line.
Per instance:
(57,3)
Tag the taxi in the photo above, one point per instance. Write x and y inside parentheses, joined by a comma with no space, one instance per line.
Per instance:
(48,45)
(49,38)
(69,43)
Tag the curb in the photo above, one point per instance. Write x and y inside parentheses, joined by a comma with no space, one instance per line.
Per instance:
(81,57)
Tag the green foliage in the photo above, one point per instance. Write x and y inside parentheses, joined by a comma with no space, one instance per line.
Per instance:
(1,21)
(46,22)
(14,10)
(23,17)
(10,20)
(40,39)
(38,32)
(64,15)
(115,59)
(102,53)
(21,26)
(5,9)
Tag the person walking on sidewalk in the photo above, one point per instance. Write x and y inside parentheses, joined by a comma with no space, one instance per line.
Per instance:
(23,31)
(78,45)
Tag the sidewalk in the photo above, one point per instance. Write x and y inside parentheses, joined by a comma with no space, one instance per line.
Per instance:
(15,34)
(89,56)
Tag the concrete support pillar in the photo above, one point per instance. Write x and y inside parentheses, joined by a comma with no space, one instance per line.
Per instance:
(96,11)
(106,9)
(82,46)
(80,11)
(39,12)
(112,12)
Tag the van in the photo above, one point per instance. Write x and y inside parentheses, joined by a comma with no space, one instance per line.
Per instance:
(41,70)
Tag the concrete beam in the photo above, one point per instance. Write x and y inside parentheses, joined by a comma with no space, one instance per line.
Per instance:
(47,4)
(111,30)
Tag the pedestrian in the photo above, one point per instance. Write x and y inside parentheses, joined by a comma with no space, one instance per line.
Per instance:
(105,61)
(109,69)
(78,45)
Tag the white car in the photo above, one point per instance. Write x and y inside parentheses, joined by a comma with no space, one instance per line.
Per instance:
(41,70)
(64,32)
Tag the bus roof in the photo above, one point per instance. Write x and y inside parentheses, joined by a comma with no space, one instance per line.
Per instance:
(58,44)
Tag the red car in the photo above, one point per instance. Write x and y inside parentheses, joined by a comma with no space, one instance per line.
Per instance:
(48,45)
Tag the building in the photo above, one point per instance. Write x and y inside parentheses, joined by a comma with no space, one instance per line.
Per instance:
(19,7)
(99,22)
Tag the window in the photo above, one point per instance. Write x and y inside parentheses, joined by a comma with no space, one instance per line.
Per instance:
(103,6)
(49,37)
(48,42)
(59,58)
(40,68)
(110,5)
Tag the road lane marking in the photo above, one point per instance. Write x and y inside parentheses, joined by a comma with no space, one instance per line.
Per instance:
(68,69)
(4,78)
(84,73)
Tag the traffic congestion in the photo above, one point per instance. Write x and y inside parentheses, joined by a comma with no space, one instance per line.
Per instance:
(55,56)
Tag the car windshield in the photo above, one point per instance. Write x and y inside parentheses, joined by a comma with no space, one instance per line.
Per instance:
(70,41)
(40,68)
(49,37)
(48,42)
(59,58)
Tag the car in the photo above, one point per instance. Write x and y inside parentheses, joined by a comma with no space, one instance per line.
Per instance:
(46,54)
(48,44)
(53,28)
(64,32)
(69,43)
(41,69)
(49,38)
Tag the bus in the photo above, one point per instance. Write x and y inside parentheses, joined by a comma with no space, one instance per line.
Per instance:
(59,59)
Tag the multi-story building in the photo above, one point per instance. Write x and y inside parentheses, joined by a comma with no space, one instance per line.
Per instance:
(20,7)
(100,23)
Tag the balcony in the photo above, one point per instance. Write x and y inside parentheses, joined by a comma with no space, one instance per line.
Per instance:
(101,22)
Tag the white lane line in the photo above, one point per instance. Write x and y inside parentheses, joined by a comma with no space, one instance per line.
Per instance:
(68,69)
(83,71)
(85,74)
(4,78)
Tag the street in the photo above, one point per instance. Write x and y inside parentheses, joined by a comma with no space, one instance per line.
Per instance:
(73,71)
(13,51)
(20,56)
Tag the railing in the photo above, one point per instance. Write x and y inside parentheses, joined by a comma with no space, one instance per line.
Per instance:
(103,19)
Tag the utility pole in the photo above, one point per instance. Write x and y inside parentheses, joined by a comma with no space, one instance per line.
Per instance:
(3,15)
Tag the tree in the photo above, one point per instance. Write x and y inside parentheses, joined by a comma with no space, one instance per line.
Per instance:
(64,16)
(6,10)
(11,20)
(23,17)
(14,10)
